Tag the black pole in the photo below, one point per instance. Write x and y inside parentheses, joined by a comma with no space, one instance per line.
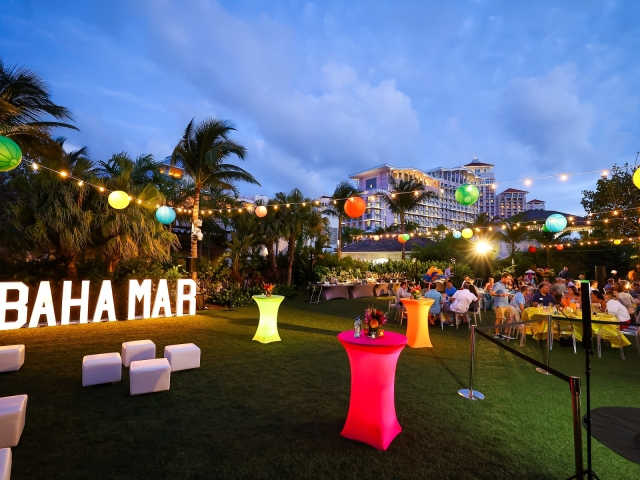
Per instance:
(587,344)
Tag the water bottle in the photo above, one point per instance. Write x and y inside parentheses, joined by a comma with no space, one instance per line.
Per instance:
(357,326)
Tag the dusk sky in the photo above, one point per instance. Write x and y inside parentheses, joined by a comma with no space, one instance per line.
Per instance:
(321,90)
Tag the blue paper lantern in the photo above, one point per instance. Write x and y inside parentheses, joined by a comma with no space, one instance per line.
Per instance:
(556,223)
(457,234)
(165,215)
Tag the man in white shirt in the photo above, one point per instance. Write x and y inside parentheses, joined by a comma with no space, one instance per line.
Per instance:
(461,301)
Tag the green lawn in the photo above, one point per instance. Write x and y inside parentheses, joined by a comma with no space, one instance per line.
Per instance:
(276,410)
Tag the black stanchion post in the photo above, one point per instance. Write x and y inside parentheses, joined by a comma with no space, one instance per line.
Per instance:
(470,393)
(587,344)
(577,426)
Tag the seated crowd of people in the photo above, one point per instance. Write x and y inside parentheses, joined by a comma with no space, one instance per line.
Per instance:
(509,297)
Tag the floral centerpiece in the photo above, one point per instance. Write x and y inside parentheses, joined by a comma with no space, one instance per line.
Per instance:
(373,320)
(416,293)
(268,288)
(546,273)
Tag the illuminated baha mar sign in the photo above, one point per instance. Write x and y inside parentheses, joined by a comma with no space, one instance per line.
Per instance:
(138,293)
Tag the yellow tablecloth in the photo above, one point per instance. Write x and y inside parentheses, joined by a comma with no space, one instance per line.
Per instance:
(560,323)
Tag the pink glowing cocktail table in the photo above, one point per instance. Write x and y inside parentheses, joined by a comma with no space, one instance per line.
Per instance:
(372,411)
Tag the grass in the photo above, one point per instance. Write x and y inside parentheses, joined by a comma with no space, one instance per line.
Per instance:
(276,410)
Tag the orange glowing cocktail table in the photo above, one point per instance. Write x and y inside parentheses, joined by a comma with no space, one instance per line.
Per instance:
(418,322)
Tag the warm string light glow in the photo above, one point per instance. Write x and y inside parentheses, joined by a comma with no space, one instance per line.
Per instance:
(528,181)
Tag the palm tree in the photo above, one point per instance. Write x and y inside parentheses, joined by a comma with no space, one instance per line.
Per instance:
(26,111)
(404,196)
(512,235)
(297,221)
(52,214)
(342,191)
(203,152)
(349,234)
(548,238)
(132,231)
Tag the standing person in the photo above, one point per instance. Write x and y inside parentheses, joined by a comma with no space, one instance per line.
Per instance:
(448,273)
(500,294)
(543,297)
(438,302)
(565,273)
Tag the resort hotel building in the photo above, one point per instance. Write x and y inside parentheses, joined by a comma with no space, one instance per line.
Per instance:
(441,209)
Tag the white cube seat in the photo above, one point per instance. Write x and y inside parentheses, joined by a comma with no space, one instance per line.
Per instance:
(148,376)
(101,368)
(11,358)
(5,464)
(182,357)
(138,350)
(13,411)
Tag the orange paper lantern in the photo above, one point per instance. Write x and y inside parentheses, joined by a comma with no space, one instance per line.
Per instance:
(354,207)
(560,247)
(401,239)
(261,211)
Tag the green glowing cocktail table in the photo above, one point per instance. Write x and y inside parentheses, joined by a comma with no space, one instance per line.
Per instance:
(268,324)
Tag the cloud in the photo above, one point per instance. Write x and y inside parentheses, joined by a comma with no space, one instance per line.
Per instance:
(321,113)
(546,116)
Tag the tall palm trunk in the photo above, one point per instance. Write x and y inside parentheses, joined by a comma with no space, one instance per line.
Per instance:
(291,254)
(402,233)
(194,239)
(339,250)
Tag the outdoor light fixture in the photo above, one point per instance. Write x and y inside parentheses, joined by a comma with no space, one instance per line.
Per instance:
(171,171)
(483,247)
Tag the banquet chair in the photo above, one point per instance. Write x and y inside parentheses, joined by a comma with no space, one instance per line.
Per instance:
(315,287)
(599,336)
(634,331)
(477,313)
(391,310)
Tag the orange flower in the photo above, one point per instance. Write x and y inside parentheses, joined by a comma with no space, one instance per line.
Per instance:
(374,324)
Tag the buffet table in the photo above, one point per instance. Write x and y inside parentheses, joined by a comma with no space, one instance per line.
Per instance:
(329,292)
(358,291)
(350,290)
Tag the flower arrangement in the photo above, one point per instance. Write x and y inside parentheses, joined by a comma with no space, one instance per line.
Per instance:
(546,272)
(373,320)
(268,288)
(416,293)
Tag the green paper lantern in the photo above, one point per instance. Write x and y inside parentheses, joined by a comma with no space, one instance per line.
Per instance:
(556,223)
(406,237)
(467,194)
(10,154)
(545,229)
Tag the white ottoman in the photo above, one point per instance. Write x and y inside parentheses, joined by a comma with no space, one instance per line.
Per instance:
(5,464)
(147,376)
(11,358)
(101,368)
(12,414)
(183,356)
(138,350)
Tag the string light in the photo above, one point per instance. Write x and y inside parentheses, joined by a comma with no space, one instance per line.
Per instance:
(564,178)
(64,174)
(80,183)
